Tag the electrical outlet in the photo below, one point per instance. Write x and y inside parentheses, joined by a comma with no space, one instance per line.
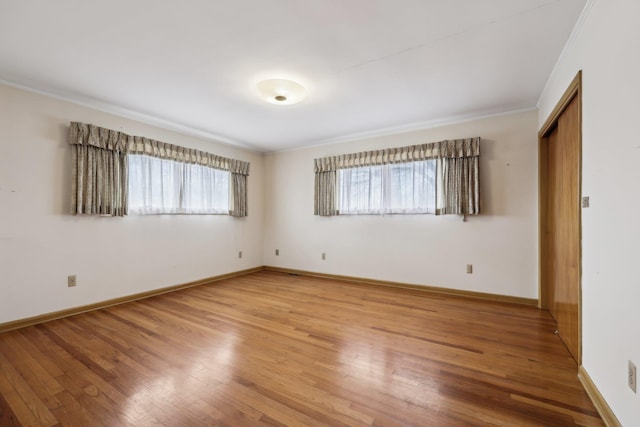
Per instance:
(469,268)
(277,251)
(71,281)
(240,254)
(324,256)
(585,202)
(633,378)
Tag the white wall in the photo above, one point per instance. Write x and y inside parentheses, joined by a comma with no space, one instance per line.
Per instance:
(41,243)
(606,48)
(418,249)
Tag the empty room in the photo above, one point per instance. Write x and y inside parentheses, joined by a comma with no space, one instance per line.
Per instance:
(319,213)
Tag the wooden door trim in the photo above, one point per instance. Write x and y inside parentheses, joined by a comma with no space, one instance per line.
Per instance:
(575,88)
(573,91)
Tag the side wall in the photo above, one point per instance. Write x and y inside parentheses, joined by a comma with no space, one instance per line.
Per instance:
(41,243)
(605,47)
(417,249)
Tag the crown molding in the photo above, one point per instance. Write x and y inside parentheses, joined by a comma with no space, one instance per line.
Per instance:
(577,29)
(410,127)
(134,115)
(208,136)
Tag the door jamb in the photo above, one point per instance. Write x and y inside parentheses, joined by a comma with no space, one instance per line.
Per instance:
(574,90)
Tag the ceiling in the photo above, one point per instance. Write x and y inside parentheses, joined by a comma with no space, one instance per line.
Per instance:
(370,66)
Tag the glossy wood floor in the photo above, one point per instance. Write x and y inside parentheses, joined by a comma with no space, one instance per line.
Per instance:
(272,349)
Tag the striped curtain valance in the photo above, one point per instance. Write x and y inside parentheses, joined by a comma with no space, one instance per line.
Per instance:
(111,140)
(449,149)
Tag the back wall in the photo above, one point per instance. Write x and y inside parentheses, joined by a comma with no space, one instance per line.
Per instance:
(501,243)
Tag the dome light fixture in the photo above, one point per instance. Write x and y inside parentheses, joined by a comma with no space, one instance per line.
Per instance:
(281,91)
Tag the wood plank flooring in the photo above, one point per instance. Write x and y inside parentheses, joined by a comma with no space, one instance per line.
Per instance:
(269,349)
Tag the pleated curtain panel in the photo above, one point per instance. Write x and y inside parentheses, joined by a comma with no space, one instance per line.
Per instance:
(100,169)
(458,173)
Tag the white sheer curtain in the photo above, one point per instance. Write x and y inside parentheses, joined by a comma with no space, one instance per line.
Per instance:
(160,186)
(206,190)
(391,188)
(411,187)
(360,190)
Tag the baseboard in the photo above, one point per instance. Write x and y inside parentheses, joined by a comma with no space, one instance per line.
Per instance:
(432,289)
(21,323)
(601,405)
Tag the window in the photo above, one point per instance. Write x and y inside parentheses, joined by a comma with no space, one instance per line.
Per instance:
(388,189)
(111,171)
(401,180)
(160,186)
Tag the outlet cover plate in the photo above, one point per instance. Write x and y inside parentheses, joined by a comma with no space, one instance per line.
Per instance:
(633,376)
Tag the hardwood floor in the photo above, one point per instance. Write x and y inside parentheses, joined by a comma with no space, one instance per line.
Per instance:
(273,349)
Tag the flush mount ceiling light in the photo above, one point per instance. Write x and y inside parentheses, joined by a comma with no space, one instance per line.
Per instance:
(281,91)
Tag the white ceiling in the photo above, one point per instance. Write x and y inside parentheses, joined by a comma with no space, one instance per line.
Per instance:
(371,66)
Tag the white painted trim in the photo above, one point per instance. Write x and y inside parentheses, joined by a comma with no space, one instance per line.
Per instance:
(577,29)
(135,115)
(208,136)
(410,127)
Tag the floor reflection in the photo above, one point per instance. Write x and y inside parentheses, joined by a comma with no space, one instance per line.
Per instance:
(202,372)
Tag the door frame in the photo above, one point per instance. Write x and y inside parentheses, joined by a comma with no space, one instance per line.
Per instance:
(573,91)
